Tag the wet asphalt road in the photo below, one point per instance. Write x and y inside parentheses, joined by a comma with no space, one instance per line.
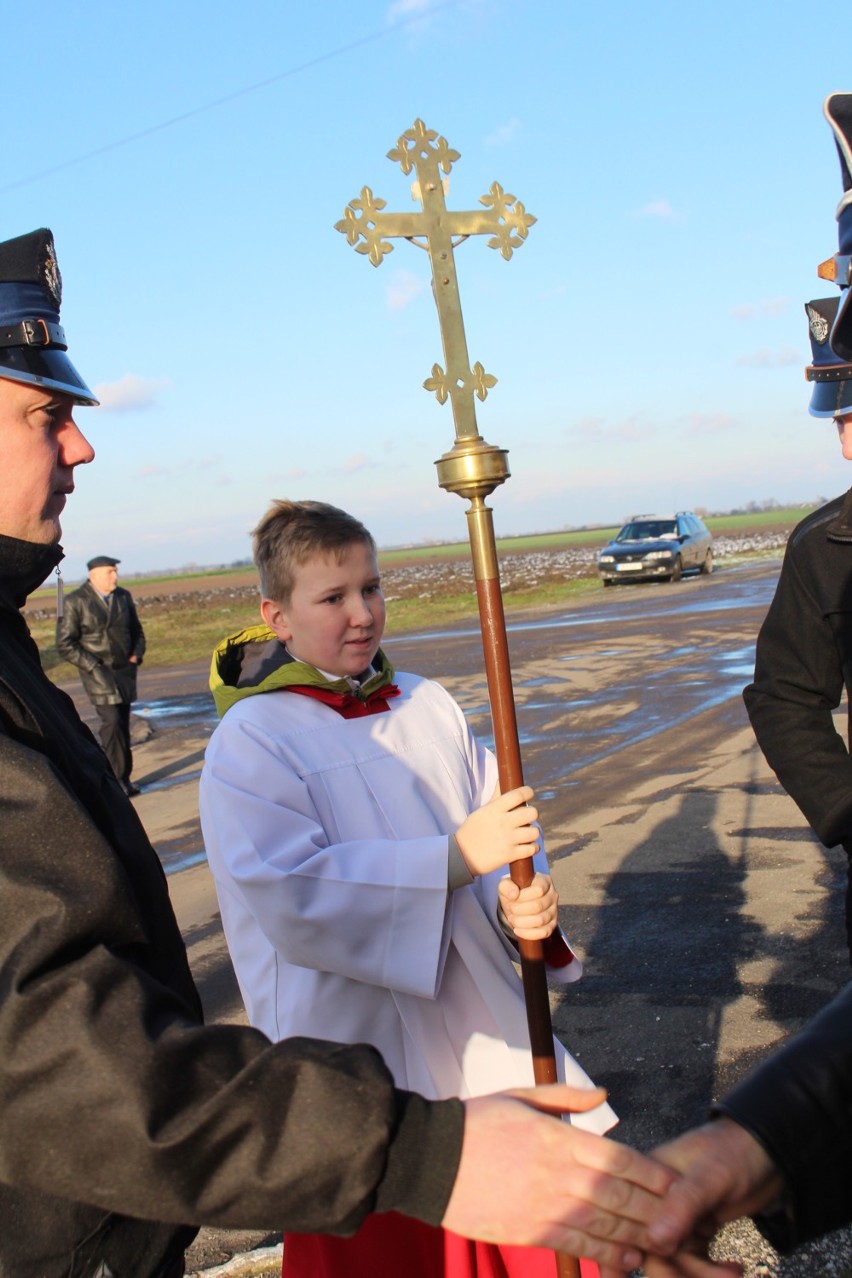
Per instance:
(624,668)
(709,917)
(629,666)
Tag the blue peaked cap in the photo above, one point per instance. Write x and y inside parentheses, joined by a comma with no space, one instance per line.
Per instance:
(33,349)
(831,377)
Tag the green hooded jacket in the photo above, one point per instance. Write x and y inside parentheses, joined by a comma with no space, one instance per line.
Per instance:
(255,660)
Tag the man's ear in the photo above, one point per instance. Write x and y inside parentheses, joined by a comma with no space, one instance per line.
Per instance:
(274,616)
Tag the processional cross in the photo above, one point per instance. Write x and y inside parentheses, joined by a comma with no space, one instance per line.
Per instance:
(472,468)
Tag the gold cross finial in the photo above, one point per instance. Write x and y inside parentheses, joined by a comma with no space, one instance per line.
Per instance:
(368,228)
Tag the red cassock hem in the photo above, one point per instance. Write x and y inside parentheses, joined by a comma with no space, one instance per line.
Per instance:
(390,1246)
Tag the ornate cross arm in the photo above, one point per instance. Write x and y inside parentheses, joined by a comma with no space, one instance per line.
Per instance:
(505,219)
(368,228)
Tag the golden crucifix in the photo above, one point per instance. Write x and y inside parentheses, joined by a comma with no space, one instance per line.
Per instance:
(472,468)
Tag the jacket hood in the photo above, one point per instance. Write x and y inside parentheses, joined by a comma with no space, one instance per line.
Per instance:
(255,660)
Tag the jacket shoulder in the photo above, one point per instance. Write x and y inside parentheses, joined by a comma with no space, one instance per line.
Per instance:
(817,521)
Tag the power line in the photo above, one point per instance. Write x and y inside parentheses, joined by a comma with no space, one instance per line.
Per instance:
(229,97)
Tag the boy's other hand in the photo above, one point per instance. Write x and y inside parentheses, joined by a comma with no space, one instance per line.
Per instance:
(499,832)
(530,911)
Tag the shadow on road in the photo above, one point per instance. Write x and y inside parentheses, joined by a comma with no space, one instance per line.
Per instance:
(662,965)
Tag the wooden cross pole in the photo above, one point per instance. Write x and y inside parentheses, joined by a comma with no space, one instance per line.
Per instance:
(472,468)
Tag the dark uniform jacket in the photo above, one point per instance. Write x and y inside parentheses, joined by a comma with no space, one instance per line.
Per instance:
(803,662)
(99,636)
(124,1122)
(798,1104)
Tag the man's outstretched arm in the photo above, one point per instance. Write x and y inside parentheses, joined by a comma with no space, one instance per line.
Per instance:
(526,1178)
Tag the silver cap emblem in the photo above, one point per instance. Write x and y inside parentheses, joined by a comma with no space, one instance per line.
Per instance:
(52,278)
(818,325)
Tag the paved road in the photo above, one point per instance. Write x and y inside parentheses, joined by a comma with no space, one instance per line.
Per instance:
(709,917)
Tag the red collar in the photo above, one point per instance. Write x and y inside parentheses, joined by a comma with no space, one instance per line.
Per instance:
(348,704)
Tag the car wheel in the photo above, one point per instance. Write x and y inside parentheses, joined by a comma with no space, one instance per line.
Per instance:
(707,566)
(607,581)
(677,569)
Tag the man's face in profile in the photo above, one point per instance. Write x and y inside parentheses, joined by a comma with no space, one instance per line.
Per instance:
(104,578)
(40,444)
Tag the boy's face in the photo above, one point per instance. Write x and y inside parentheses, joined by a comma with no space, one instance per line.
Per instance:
(335,616)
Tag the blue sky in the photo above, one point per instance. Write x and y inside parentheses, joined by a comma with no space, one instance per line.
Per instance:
(648,339)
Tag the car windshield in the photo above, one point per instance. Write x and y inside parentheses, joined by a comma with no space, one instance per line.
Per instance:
(649,530)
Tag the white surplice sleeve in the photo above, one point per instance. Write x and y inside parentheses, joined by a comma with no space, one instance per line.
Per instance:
(331,836)
(371,909)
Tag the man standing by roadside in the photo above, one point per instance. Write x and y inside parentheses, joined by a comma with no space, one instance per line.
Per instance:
(803,661)
(100,633)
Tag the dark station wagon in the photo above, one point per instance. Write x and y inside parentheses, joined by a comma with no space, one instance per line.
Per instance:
(653,547)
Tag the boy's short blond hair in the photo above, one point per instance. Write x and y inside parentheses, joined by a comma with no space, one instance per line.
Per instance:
(291,532)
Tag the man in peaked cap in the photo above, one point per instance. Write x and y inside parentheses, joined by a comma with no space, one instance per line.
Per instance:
(124,1123)
(803,658)
(780,1144)
(99,632)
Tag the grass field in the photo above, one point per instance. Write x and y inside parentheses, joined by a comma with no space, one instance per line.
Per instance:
(185,631)
(186,615)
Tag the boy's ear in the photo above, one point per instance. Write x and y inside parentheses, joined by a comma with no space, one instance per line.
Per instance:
(274,616)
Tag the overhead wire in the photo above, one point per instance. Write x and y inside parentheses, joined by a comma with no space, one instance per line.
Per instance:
(174,120)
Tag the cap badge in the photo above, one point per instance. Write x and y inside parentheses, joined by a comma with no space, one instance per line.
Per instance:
(52,278)
(819,325)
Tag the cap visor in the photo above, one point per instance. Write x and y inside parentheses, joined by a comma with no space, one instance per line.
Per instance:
(830,398)
(47,367)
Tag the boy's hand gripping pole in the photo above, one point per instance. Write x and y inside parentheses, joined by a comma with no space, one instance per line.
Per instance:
(472,468)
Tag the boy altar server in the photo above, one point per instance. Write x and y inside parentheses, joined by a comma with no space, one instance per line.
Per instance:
(358,847)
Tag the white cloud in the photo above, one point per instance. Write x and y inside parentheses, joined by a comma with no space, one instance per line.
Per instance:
(356,462)
(191,466)
(504,133)
(660,209)
(130,393)
(404,286)
(599,430)
(749,310)
(409,9)
(709,423)
(765,358)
